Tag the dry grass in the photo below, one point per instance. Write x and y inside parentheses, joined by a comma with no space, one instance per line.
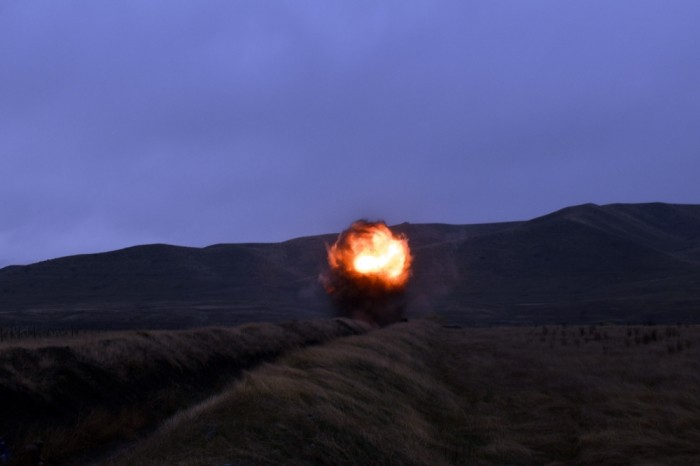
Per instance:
(596,395)
(420,394)
(82,396)
(359,400)
(35,337)
(413,393)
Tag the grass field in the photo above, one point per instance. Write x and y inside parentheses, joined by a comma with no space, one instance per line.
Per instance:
(421,394)
(418,393)
(592,395)
(86,395)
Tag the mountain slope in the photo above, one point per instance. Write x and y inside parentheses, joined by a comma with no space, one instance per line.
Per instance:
(584,263)
(624,262)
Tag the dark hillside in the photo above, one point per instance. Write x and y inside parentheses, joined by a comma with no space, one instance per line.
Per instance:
(664,227)
(577,265)
(419,394)
(87,393)
(618,262)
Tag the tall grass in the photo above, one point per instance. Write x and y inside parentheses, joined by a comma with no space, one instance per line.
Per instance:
(579,395)
(359,400)
(413,393)
(417,393)
(13,335)
(82,396)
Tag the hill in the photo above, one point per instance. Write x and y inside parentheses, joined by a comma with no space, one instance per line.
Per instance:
(416,393)
(412,393)
(87,394)
(588,263)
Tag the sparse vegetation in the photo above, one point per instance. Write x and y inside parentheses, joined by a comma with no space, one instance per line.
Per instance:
(374,400)
(605,401)
(31,336)
(85,395)
(418,393)
(413,393)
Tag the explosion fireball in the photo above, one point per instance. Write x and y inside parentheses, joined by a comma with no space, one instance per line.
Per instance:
(369,269)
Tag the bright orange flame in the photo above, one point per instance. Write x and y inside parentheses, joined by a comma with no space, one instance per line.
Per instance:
(372,251)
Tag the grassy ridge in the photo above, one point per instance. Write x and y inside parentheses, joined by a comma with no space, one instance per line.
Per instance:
(83,395)
(584,264)
(417,393)
(412,393)
(359,400)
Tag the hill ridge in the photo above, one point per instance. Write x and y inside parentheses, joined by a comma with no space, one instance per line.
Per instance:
(621,262)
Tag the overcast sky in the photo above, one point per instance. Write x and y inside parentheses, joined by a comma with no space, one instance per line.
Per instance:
(201,122)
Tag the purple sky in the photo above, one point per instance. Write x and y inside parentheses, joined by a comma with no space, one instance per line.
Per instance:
(195,123)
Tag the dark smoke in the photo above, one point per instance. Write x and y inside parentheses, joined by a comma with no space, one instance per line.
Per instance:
(362,297)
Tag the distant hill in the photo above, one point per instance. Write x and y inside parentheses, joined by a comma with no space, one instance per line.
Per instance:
(587,263)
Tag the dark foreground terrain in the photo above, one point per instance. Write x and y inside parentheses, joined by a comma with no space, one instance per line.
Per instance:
(89,394)
(413,393)
(623,263)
